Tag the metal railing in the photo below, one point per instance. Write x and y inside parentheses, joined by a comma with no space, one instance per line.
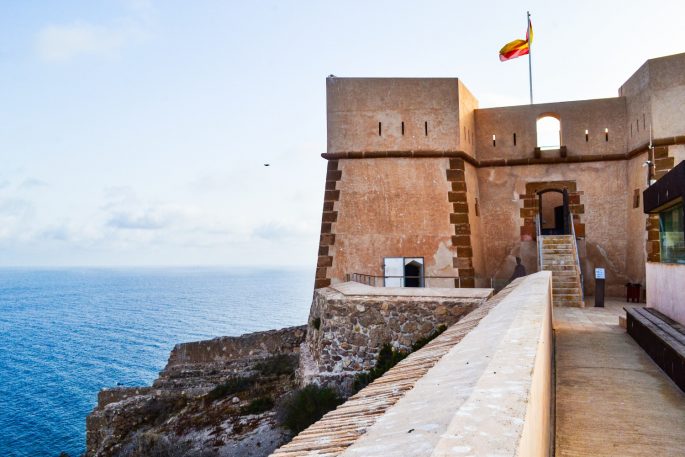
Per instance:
(575,247)
(429,281)
(423,281)
(538,238)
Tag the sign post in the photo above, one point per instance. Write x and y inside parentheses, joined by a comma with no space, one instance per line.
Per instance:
(599,287)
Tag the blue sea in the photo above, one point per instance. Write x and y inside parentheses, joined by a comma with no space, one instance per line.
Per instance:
(67,333)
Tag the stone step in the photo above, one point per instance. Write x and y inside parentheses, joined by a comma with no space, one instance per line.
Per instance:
(566,290)
(546,262)
(558,252)
(559,267)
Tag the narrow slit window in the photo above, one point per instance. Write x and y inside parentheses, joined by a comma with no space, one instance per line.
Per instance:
(402,127)
(644,121)
(425,127)
(637,124)
(380,129)
(494,141)
(606,134)
(514,139)
(631,129)
(587,135)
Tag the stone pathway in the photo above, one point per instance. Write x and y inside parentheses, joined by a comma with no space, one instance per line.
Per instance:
(611,398)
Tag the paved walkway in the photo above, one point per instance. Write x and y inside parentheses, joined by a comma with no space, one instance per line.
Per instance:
(611,398)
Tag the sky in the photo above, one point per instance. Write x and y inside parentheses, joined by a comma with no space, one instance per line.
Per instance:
(134,132)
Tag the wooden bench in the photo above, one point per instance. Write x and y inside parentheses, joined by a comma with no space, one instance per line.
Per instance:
(662,338)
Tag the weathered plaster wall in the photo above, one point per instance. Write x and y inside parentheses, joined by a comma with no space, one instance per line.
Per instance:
(603,190)
(352,328)
(638,107)
(467,120)
(473,201)
(356,106)
(667,87)
(665,290)
(654,99)
(392,208)
(677,152)
(575,116)
(636,220)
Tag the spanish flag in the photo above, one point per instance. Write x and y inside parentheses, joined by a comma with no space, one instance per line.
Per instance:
(517,48)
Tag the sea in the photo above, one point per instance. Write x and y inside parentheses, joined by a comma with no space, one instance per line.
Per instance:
(66,333)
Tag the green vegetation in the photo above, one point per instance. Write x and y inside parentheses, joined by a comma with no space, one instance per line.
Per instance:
(388,357)
(303,407)
(316,323)
(421,342)
(281,364)
(230,387)
(258,406)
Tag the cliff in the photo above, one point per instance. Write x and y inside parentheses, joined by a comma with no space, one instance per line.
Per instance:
(230,395)
(213,398)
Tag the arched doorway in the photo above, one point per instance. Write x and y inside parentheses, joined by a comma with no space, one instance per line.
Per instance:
(413,274)
(548,130)
(553,212)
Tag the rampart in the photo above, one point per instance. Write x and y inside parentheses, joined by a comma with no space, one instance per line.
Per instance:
(350,322)
(488,393)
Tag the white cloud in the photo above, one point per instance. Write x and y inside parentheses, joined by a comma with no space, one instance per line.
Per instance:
(61,43)
(65,42)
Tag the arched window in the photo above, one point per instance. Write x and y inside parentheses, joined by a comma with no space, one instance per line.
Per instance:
(549,131)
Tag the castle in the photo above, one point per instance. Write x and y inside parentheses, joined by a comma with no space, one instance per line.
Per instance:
(423,187)
(434,203)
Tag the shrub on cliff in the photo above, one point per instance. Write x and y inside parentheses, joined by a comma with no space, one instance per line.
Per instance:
(281,364)
(258,406)
(303,407)
(230,387)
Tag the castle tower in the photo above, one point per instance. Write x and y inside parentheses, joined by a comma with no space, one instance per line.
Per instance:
(400,202)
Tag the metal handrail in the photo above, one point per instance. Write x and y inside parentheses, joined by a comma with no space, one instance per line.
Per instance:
(575,245)
(372,280)
(538,238)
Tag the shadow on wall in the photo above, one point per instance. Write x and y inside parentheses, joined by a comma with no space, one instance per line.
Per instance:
(594,256)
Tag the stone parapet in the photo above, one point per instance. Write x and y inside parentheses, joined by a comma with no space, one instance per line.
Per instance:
(489,395)
(350,322)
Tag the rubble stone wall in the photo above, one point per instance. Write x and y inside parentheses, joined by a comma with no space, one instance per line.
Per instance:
(347,332)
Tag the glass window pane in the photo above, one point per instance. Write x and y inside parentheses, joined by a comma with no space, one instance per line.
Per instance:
(672,235)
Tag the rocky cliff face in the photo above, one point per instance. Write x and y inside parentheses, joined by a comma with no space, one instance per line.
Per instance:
(214,398)
(220,397)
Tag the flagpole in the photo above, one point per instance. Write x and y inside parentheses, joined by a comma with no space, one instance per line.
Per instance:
(530,67)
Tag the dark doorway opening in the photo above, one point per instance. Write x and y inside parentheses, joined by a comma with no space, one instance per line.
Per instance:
(413,274)
(553,212)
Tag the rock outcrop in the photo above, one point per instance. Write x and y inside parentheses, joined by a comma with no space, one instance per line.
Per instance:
(214,398)
(220,397)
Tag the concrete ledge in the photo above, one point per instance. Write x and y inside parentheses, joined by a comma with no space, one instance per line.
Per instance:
(489,395)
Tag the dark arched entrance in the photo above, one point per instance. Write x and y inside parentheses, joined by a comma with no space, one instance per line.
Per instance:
(413,274)
(553,212)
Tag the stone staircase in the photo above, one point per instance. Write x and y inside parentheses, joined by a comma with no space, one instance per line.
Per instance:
(558,255)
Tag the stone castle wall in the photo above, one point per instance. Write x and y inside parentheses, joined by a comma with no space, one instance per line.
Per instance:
(346,332)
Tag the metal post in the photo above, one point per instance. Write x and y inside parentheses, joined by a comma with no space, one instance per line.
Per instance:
(530,52)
